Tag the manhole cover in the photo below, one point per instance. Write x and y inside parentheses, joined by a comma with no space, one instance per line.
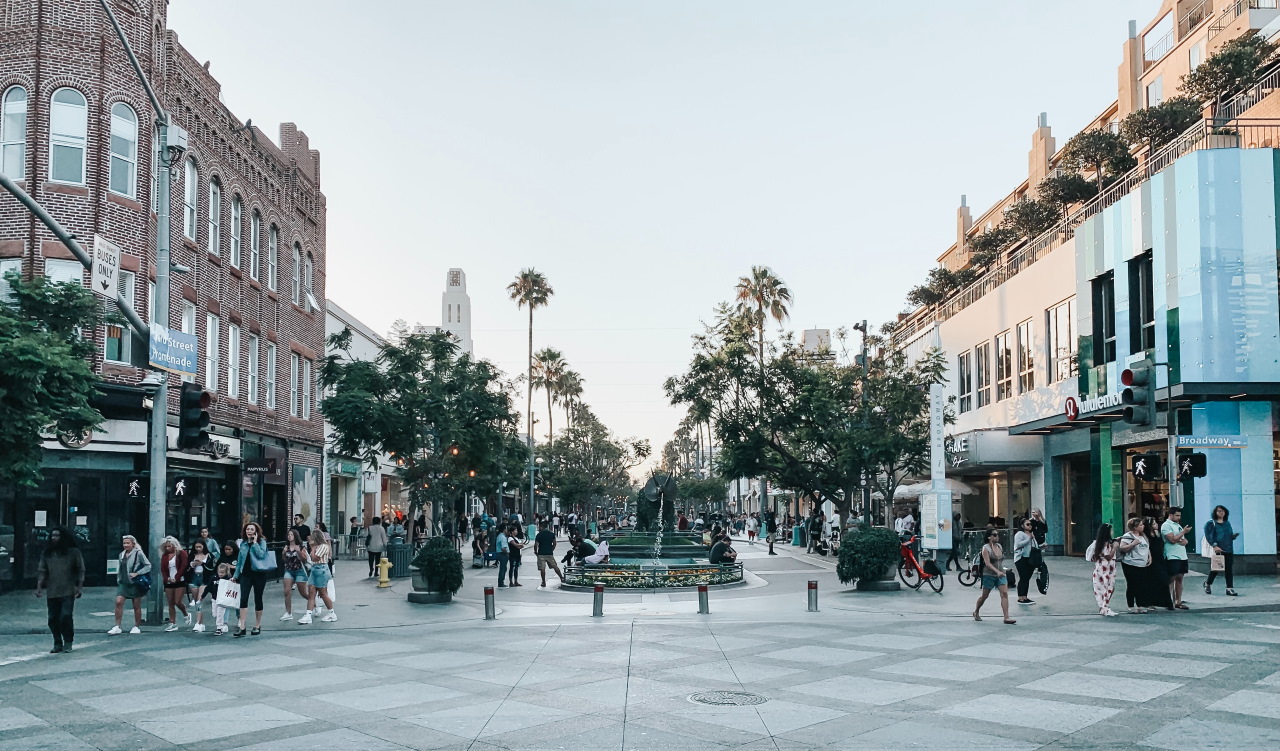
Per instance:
(727,698)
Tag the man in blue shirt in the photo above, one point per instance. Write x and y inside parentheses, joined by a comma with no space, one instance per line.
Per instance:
(503,552)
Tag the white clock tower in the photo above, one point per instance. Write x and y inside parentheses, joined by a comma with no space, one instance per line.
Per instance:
(455,309)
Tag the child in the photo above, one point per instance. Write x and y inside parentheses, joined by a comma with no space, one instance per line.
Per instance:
(226,570)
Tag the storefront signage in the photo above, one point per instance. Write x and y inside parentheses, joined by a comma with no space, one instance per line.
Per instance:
(259,466)
(1084,405)
(1213,441)
(172,350)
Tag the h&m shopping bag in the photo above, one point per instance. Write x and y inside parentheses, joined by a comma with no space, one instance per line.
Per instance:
(228,594)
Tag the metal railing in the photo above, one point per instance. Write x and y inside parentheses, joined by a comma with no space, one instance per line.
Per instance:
(1242,102)
(1193,18)
(1153,52)
(1237,9)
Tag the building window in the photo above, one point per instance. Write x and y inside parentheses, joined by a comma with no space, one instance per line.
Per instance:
(295,405)
(1104,319)
(189,327)
(151,302)
(124,150)
(964,372)
(237,229)
(211,332)
(118,344)
(306,389)
(1026,359)
(1142,306)
(1004,366)
(1196,53)
(1060,326)
(13,133)
(253,369)
(68,133)
(271,375)
(233,361)
(309,278)
(215,218)
(273,257)
(190,195)
(1155,92)
(255,244)
(982,363)
(297,274)
(8,266)
(64,272)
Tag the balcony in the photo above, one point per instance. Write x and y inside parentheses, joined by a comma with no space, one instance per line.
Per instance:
(1193,18)
(1238,8)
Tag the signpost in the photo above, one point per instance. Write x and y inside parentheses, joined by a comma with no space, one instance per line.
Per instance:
(935,505)
(106,268)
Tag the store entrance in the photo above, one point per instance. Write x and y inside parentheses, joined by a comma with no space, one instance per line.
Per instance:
(1084,512)
(68,499)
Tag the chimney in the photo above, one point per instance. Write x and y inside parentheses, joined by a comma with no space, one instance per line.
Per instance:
(1130,74)
(964,221)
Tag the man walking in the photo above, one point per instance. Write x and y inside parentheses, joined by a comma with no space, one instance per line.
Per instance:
(1175,553)
(503,550)
(62,571)
(770,528)
(815,530)
(544,547)
(301,529)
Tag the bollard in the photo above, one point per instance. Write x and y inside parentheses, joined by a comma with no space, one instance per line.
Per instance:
(704,607)
(597,607)
(489,611)
(813,596)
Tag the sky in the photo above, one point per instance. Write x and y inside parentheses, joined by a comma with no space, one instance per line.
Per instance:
(644,155)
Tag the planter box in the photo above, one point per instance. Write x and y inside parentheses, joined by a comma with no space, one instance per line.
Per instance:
(422,593)
(1222,141)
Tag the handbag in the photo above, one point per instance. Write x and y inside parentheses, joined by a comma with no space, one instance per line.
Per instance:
(142,582)
(332,590)
(228,594)
(1011,577)
(1217,562)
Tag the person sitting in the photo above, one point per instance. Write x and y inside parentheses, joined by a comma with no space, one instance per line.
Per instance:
(601,555)
(722,552)
(579,549)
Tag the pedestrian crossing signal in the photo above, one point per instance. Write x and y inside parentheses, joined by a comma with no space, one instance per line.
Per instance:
(1192,465)
(1146,467)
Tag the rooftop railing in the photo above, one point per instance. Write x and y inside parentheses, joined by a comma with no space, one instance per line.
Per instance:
(1237,9)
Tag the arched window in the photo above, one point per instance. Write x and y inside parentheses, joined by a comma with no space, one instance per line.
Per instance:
(215,217)
(273,257)
(124,150)
(297,274)
(68,133)
(255,243)
(13,133)
(190,196)
(237,219)
(309,275)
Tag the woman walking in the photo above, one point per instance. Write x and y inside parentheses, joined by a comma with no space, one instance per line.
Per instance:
(375,543)
(1103,554)
(62,572)
(318,583)
(199,576)
(1220,537)
(173,571)
(515,543)
(1024,545)
(993,576)
(296,565)
(226,571)
(1135,558)
(1158,571)
(252,566)
(133,579)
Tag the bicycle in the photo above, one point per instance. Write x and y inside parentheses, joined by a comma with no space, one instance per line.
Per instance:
(970,575)
(913,574)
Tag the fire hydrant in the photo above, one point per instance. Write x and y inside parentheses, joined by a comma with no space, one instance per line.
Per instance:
(384,573)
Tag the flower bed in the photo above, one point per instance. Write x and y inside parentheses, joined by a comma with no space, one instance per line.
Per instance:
(647,576)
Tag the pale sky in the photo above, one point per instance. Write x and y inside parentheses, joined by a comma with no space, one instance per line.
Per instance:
(644,155)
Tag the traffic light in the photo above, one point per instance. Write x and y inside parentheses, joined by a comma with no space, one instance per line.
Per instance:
(1137,397)
(193,417)
(1146,467)
(1192,465)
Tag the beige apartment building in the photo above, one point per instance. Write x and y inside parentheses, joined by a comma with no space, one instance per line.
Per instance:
(1172,263)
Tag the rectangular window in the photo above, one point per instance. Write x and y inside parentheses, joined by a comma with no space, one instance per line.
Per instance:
(68,136)
(151,302)
(211,324)
(233,361)
(118,344)
(1026,359)
(237,219)
(215,218)
(255,244)
(1104,318)
(65,272)
(271,375)
(124,151)
(1004,367)
(306,389)
(964,373)
(1060,326)
(1142,306)
(1155,92)
(295,407)
(253,369)
(190,195)
(273,257)
(982,363)
(1196,54)
(8,266)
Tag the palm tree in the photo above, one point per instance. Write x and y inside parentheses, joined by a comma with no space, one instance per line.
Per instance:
(530,289)
(570,388)
(763,295)
(548,368)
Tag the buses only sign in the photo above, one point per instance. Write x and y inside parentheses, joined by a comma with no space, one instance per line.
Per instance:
(106,268)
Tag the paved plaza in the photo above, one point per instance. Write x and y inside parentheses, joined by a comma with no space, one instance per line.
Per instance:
(907,670)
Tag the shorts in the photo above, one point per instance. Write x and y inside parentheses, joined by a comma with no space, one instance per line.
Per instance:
(299,576)
(1175,566)
(994,582)
(548,561)
(319,577)
(176,585)
(128,590)
(196,581)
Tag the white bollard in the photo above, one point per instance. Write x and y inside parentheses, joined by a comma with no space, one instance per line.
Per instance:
(813,596)
(490,613)
(597,606)
(704,607)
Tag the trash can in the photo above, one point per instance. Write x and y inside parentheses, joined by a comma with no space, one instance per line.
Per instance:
(400,554)
(797,535)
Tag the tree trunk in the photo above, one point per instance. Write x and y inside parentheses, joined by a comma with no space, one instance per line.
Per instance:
(550,425)
(529,408)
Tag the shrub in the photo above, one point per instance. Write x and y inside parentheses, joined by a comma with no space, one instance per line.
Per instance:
(1031,218)
(440,564)
(1154,127)
(1066,188)
(867,553)
(1235,67)
(1100,151)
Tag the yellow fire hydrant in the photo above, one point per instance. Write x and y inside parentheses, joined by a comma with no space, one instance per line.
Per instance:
(384,573)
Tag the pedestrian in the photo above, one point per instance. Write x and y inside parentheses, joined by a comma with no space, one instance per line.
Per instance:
(463,524)
(555,525)
(200,566)
(1158,572)
(210,544)
(515,543)
(1024,542)
(753,526)
(328,540)
(993,577)
(478,542)
(1219,537)
(300,526)
(319,578)
(1175,553)
(1135,558)
(1102,551)
(61,571)
(815,530)
(504,559)
(296,569)
(173,573)
(544,547)
(957,538)
(252,566)
(376,543)
(133,579)
(770,528)
(396,532)
(226,571)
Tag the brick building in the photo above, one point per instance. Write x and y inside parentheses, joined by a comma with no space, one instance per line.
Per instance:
(247,220)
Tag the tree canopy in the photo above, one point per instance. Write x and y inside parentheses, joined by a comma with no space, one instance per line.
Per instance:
(1231,70)
(587,465)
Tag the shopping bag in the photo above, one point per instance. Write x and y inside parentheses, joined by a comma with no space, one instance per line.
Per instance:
(228,594)
(332,589)
(1217,562)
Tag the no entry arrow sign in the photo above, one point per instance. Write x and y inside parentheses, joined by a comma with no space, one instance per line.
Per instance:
(106,268)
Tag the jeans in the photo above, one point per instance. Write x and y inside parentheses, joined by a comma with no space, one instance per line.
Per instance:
(61,610)
(374,556)
(953,557)
(1025,568)
(502,569)
(1228,559)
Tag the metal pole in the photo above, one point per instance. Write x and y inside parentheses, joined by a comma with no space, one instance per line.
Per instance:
(813,596)
(597,604)
(866,478)
(490,613)
(704,607)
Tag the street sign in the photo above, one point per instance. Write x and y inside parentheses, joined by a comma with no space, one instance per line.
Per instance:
(1213,441)
(172,350)
(106,268)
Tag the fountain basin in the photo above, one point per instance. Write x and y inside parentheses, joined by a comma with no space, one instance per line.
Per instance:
(648,574)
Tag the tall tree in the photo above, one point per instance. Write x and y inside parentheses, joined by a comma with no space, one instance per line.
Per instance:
(763,294)
(548,370)
(1100,151)
(45,376)
(586,464)
(570,393)
(530,290)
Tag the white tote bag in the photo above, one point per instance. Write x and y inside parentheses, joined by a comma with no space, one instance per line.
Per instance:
(332,589)
(228,594)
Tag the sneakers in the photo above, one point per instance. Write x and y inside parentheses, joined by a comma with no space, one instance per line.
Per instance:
(1232,593)
(114,631)
(136,630)
(187,616)
(219,630)
(317,611)
(67,648)
(1207,589)
(304,620)
(287,617)
(198,628)
(170,628)
(57,649)
(1026,602)
(330,618)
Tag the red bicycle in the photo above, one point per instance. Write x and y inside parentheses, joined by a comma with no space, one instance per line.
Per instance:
(913,574)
